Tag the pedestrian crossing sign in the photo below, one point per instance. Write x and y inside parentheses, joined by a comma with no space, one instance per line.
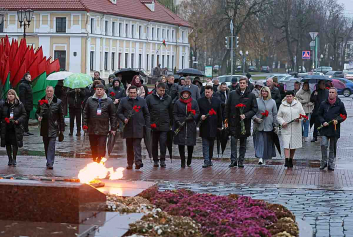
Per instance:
(306,55)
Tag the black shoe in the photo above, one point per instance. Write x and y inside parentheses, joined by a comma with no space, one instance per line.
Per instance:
(50,167)
(290,163)
(156,164)
(78,134)
(163,165)
(25,134)
(286,162)
(189,162)
(10,162)
(138,166)
(330,168)
(314,139)
(28,133)
(70,134)
(129,167)
(233,164)
(205,165)
(182,162)
(14,163)
(210,164)
(240,164)
(323,166)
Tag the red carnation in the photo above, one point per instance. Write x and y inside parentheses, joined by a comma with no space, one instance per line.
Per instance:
(265,114)
(42,102)
(84,127)
(240,106)
(112,94)
(212,112)
(136,108)
(303,116)
(153,125)
(7,120)
(344,117)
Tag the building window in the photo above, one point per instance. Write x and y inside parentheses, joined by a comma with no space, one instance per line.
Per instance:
(140,61)
(132,31)
(126,59)
(119,60)
(132,60)
(106,27)
(126,29)
(182,62)
(120,28)
(152,62)
(152,33)
(172,35)
(147,32)
(106,61)
(163,61)
(113,61)
(140,32)
(168,61)
(147,62)
(168,35)
(163,34)
(92,25)
(173,62)
(113,28)
(61,56)
(91,60)
(61,24)
(182,36)
(158,33)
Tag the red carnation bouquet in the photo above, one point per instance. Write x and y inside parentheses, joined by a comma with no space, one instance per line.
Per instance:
(153,125)
(43,106)
(265,114)
(136,108)
(84,127)
(7,120)
(242,124)
(342,116)
(210,113)
(112,95)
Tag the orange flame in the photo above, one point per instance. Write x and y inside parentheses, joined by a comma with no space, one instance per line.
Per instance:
(96,170)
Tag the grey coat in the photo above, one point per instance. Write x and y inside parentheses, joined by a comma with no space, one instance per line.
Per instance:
(195,91)
(268,122)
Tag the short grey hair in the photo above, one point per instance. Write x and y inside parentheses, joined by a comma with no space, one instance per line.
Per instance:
(49,87)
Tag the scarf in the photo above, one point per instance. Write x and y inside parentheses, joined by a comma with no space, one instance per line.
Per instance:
(333,101)
(134,83)
(49,100)
(188,105)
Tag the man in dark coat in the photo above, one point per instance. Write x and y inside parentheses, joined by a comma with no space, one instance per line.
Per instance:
(172,88)
(97,76)
(160,108)
(331,114)
(98,114)
(250,85)
(194,90)
(197,82)
(234,116)
(51,117)
(61,93)
(133,111)
(215,84)
(116,93)
(26,97)
(234,85)
(280,87)
(75,98)
(275,93)
(211,120)
(223,92)
(317,97)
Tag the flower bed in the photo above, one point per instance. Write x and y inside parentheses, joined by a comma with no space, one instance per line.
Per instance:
(185,213)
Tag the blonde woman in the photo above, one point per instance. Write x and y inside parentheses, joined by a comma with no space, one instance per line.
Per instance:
(13,115)
(264,122)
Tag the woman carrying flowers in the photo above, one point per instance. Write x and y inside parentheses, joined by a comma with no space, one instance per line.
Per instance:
(265,121)
(289,117)
(331,114)
(13,115)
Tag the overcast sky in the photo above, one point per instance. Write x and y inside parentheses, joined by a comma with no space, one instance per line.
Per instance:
(348,6)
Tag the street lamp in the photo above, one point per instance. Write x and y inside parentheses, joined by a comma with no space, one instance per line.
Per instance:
(322,57)
(244,58)
(25,18)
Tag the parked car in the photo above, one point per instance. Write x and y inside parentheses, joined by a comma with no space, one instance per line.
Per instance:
(335,74)
(239,69)
(348,74)
(252,69)
(323,69)
(348,90)
(265,69)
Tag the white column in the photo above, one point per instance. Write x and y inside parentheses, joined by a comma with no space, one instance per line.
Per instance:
(123,56)
(144,56)
(180,57)
(137,53)
(97,54)
(88,55)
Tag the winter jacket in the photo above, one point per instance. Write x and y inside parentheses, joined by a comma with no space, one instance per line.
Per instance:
(52,118)
(282,92)
(215,88)
(172,90)
(267,122)
(233,113)
(99,124)
(160,110)
(327,113)
(75,99)
(119,93)
(209,126)
(233,88)
(304,98)
(256,92)
(26,94)
(187,134)
(138,118)
(19,114)
(321,96)
(276,96)
(223,96)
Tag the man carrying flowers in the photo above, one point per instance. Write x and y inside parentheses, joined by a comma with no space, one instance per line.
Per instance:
(331,114)
(240,108)
(160,108)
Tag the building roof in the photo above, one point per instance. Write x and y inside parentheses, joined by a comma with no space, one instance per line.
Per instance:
(127,8)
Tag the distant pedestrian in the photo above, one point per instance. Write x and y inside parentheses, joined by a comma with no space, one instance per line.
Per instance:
(133,111)
(211,121)
(60,91)
(26,98)
(331,114)
(172,88)
(97,76)
(222,93)
(275,93)
(140,89)
(215,84)
(13,115)
(303,96)
(185,113)
(291,133)
(234,84)
(257,89)
(198,83)
(51,118)
(160,109)
(110,80)
(194,90)
(99,118)
(296,87)
(240,108)
(280,87)
(265,122)
(250,85)
(157,71)
(75,100)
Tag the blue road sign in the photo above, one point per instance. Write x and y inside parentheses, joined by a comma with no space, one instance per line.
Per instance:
(306,55)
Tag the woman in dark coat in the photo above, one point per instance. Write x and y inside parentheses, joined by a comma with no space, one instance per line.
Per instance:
(12,117)
(185,110)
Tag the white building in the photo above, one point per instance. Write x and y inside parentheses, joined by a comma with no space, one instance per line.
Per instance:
(104,35)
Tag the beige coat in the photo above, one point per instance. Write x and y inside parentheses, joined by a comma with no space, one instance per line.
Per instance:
(304,98)
(292,134)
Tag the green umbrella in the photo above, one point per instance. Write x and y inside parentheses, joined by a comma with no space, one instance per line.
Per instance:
(78,80)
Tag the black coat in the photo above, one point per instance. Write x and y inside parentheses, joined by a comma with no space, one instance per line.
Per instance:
(321,96)
(26,94)
(52,118)
(134,128)
(208,127)
(233,113)
(276,96)
(282,92)
(187,134)
(172,90)
(215,88)
(75,99)
(99,124)
(100,79)
(19,114)
(327,113)
(221,95)
(233,88)
(119,92)
(160,111)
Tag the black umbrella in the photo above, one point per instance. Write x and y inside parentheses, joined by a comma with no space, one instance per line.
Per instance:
(170,137)
(190,72)
(111,142)
(148,140)
(315,78)
(218,142)
(128,73)
(275,140)
(224,139)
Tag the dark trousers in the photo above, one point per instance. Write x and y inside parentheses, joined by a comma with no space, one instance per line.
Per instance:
(49,147)
(133,147)
(75,113)
(161,138)
(182,153)
(207,149)
(25,122)
(98,146)
(233,148)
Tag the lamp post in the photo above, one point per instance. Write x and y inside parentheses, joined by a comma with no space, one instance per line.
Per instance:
(25,18)
(322,58)
(244,58)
